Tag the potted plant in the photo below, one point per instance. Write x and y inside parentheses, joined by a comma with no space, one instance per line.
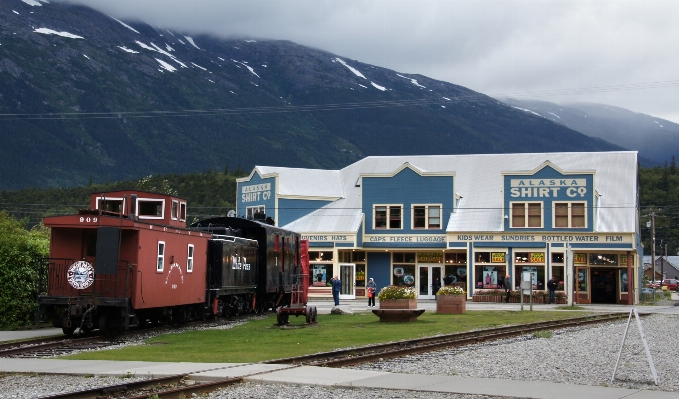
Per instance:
(451,300)
(397,297)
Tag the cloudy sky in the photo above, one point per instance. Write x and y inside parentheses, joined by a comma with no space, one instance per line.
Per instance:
(622,52)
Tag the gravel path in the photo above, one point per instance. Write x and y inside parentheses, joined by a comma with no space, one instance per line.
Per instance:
(584,355)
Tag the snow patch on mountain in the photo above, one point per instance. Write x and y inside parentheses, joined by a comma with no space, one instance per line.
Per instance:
(15,12)
(244,63)
(32,3)
(86,56)
(378,87)
(166,66)
(128,50)
(167,46)
(251,41)
(144,45)
(365,87)
(198,66)
(527,110)
(413,81)
(180,41)
(46,31)
(170,33)
(191,41)
(352,69)
(161,51)
(125,25)
(554,114)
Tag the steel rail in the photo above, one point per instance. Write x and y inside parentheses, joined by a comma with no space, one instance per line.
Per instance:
(343,357)
(119,389)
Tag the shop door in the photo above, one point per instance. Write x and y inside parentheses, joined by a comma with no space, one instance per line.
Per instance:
(428,276)
(603,285)
(582,285)
(348,278)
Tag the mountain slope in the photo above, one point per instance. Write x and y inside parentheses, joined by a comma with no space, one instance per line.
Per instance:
(85,96)
(656,139)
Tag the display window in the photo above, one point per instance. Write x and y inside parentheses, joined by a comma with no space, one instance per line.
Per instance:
(558,272)
(426,216)
(489,276)
(388,217)
(403,269)
(603,259)
(570,215)
(320,268)
(537,275)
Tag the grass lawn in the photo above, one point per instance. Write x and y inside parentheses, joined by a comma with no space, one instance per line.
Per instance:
(259,340)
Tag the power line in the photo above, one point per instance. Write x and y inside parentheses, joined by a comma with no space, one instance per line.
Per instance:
(328,107)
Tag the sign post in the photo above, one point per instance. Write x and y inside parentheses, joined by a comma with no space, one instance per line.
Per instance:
(527,288)
(643,340)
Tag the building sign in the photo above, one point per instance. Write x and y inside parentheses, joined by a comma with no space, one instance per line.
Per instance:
(497,257)
(329,237)
(537,257)
(256,192)
(430,257)
(565,238)
(547,188)
(580,259)
(406,239)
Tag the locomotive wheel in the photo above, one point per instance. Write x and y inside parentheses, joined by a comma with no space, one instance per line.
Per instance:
(309,314)
(314,317)
(281,317)
(108,326)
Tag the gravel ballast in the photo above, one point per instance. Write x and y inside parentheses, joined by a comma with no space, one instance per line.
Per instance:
(585,355)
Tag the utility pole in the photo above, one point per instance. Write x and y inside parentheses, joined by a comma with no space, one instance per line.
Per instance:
(653,250)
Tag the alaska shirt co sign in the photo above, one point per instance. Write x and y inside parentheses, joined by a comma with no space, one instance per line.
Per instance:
(256,192)
(566,238)
(547,188)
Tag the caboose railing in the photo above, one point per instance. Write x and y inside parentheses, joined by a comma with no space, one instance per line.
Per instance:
(103,285)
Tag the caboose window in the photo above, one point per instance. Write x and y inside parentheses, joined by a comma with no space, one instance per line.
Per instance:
(115,205)
(175,210)
(189,259)
(151,208)
(182,211)
(161,256)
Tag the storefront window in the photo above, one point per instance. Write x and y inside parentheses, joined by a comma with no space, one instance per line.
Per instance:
(489,277)
(603,259)
(320,256)
(537,272)
(404,257)
(320,275)
(456,258)
(482,257)
(582,281)
(557,257)
(558,272)
(357,258)
(404,275)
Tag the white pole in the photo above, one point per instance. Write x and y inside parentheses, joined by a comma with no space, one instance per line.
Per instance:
(567,284)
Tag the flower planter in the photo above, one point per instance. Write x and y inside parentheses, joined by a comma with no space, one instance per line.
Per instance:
(451,304)
(398,315)
(398,304)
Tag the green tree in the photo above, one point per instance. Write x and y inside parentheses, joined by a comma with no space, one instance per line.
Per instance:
(20,250)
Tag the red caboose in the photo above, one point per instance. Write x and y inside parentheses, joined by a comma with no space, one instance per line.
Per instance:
(127,259)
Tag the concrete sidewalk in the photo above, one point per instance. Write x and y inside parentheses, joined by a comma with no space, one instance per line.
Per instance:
(269,373)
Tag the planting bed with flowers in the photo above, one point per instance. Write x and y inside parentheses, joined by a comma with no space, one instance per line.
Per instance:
(396,292)
(514,296)
(451,290)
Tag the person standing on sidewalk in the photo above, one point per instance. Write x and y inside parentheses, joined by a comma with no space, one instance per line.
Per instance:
(508,288)
(336,286)
(551,286)
(372,289)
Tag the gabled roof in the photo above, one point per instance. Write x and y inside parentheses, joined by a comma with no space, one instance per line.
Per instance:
(669,264)
(478,180)
(296,182)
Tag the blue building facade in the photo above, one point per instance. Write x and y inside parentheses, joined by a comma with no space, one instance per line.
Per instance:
(467,220)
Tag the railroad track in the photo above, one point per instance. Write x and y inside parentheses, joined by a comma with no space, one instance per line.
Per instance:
(171,387)
(57,346)
(354,356)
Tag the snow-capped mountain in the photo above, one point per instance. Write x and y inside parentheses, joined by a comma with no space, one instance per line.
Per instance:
(84,95)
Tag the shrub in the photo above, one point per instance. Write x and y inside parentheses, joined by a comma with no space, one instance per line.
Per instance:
(20,251)
(396,292)
(449,290)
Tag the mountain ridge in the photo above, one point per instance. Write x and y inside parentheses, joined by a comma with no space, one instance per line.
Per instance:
(89,97)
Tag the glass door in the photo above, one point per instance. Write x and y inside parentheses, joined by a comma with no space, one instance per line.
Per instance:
(429,281)
(348,278)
